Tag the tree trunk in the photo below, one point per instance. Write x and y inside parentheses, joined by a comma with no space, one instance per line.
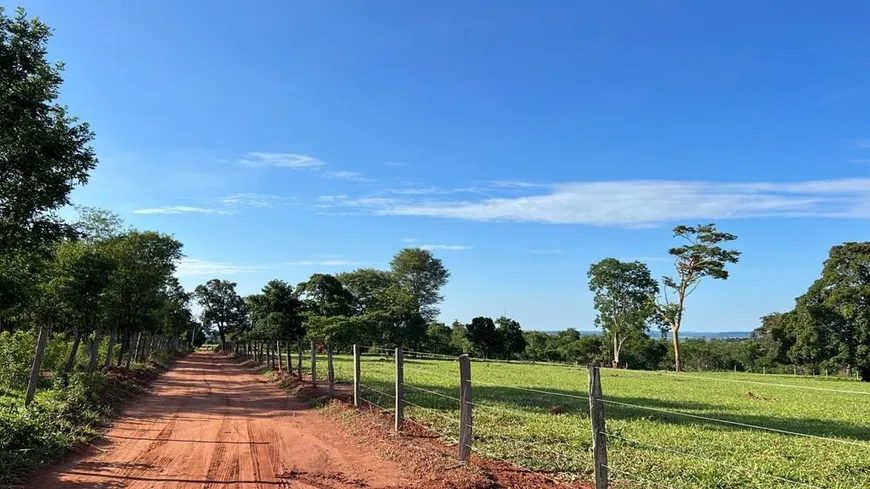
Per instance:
(71,359)
(125,344)
(112,338)
(95,351)
(138,351)
(223,339)
(615,351)
(280,358)
(678,365)
(37,365)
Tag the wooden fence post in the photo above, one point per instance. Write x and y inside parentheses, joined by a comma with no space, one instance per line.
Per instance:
(599,437)
(36,366)
(465,427)
(299,360)
(330,370)
(356,376)
(313,364)
(400,389)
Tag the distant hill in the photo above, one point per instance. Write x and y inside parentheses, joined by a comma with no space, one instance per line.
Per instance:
(719,335)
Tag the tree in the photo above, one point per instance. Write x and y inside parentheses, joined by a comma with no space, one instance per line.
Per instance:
(438,339)
(701,257)
(510,337)
(324,295)
(44,152)
(222,307)
(483,336)
(622,294)
(368,287)
(419,276)
(276,311)
(830,324)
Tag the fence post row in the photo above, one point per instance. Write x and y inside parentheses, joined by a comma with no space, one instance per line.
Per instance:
(330,370)
(400,389)
(599,439)
(299,362)
(465,434)
(356,376)
(313,364)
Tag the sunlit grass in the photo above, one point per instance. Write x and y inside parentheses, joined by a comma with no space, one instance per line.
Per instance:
(647,448)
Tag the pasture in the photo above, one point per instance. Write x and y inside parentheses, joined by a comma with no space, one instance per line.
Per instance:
(689,430)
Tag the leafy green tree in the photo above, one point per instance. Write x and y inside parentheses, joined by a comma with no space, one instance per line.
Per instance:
(222,307)
(324,295)
(419,277)
(276,312)
(830,324)
(369,288)
(44,152)
(459,338)
(622,294)
(438,339)
(701,257)
(483,336)
(510,337)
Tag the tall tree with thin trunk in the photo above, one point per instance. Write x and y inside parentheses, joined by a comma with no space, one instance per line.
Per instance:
(700,257)
(222,307)
(622,294)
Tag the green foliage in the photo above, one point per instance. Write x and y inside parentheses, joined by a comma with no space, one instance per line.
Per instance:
(622,295)
(700,257)
(419,276)
(510,337)
(44,152)
(222,307)
(518,426)
(276,313)
(324,295)
(483,337)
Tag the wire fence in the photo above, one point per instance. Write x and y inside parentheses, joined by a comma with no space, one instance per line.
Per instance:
(648,441)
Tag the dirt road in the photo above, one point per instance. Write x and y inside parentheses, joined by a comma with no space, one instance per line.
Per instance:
(211,423)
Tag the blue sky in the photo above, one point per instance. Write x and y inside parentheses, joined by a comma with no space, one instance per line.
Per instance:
(521,141)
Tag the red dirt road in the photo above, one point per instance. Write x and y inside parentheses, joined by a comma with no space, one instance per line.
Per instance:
(211,423)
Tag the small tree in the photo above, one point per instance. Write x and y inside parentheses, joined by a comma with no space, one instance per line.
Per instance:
(510,337)
(221,306)
(622,294)
(701,257)
(483,336)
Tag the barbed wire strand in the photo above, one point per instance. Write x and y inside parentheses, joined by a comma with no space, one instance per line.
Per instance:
(737,423)
(528,389)
(379,392)
(433,411)
(754,382)
(706,459)
(445,396)
(530,444)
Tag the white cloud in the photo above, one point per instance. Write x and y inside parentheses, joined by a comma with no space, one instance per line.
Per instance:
(325,263)
(653,202)
(190,267)
(180,209)
(862,144)
(518,184)
(282,160)
(409,240)
(547,251)
(444,247)
(394,163)
(347,175)
(253,200)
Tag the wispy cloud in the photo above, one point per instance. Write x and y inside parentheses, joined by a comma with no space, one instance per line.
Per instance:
(547,251)
(347,175)
(518,184)
(282,160)
(253,200)
(859,161)
(862,143)
(190,267)
(444,247)
(654,202)
(180,209)
(409,240)
(394,163)
(325,263)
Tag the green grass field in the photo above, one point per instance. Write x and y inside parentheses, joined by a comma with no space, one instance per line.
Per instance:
(647,448)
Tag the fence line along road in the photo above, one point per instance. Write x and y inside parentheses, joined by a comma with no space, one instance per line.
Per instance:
(601,468)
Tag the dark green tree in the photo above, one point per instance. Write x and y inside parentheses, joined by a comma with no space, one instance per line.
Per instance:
(44,152)
(324,295)
(511,340)
(483,336)
(700,257)
(623,296)
(222,307)
(419,276)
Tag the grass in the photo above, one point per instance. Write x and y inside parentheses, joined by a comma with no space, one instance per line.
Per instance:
(647,447)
